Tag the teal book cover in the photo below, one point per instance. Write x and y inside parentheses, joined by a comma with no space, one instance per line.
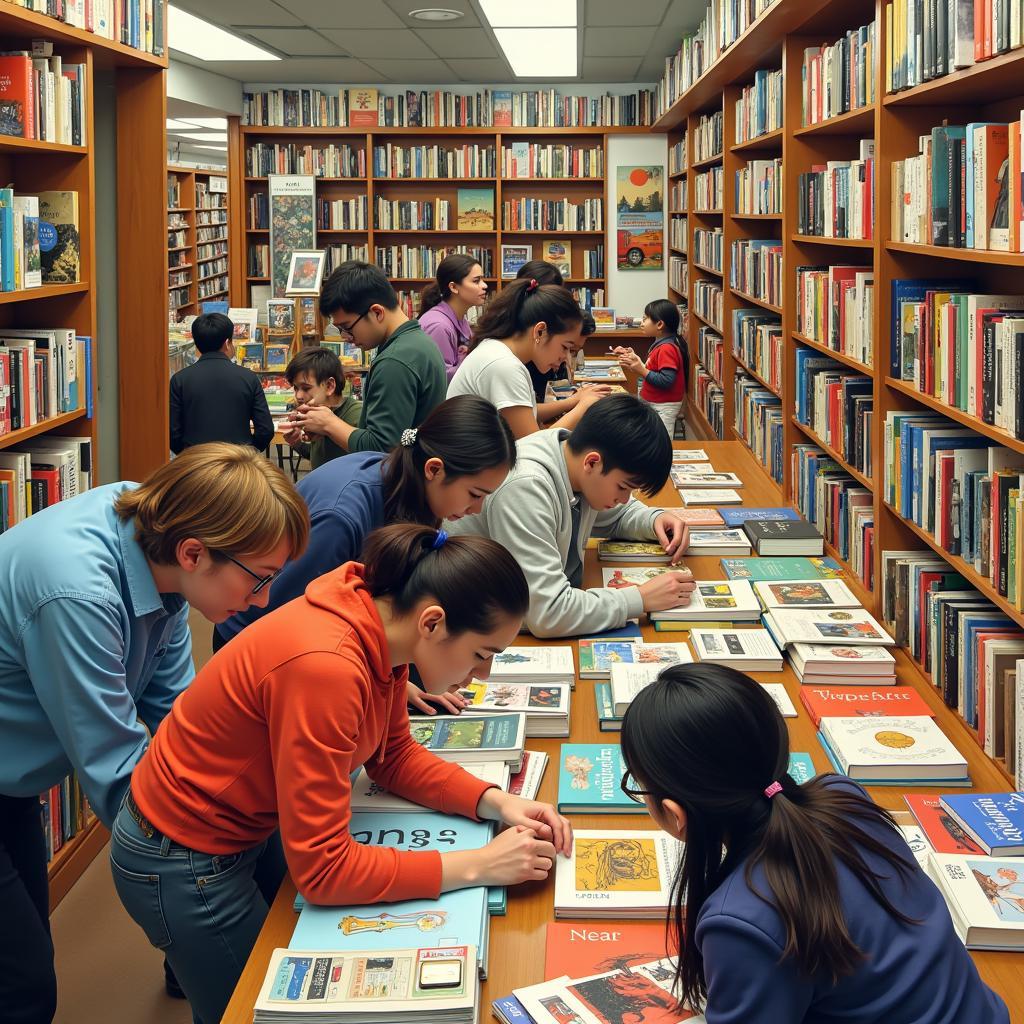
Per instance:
(801,767)
(757,569)
(589,777)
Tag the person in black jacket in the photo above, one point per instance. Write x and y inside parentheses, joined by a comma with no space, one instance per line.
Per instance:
(215,399)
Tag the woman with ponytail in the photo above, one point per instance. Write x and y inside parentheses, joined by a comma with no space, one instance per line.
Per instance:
(271,731)
(459,286)
(525,321)
(792,903)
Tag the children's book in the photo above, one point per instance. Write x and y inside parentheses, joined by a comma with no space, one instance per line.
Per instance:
(755,569)
(368,796)
(534,664)
(864,701)
(985,897)
(589,775)
(579,950)
(463,739)
(944,834)
(739,516)
(995,821)
(748,650)
(598,656)
(805,594)
(849,625)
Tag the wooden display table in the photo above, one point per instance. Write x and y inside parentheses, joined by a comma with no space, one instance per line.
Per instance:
(517,940)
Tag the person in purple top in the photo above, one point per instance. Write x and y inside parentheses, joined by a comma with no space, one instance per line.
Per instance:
(460,285)
(793,904)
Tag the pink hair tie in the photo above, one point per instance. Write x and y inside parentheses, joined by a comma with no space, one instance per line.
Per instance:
(775,787)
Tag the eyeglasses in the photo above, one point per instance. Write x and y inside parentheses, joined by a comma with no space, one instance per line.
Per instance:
(261,581)
(351,327)
(633,792)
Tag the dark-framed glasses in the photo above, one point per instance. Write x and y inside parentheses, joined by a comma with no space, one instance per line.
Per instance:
(632,790)
(262,582)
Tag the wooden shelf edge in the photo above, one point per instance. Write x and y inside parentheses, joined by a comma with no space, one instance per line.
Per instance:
(47,291)
(840,357)
(752,373)
(73,858)
(747,297)
(413,132)
(965,84)
(706,269)
(852,121)
(853,243)
(708,161)
(832,454)
(992,257)
(707,323)
(42,427)
(763,141)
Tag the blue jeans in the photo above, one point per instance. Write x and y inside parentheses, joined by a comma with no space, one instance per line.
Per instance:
(203,911)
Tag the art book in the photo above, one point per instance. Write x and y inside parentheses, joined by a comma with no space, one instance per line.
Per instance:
(755,569)
(995,821)
(630,551)
(546,705)
(589,775)
(598,656)
(580,950)
(732,600)
(534,664)
(487,738)
(475,209)
(944,834)
(805,594)
(739,516)
(362,108)
(865,701)
(851,626)
(368,796)
(618,874)
(985,897)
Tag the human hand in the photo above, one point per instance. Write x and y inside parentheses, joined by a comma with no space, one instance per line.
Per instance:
(629,360)
(314,419)
(497,805)
(451,702)
(588,394)
(291,433)
(668,590)
(516,855)
(674,534)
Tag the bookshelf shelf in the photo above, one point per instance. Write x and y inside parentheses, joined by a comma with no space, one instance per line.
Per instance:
(768,140)
(47,291)
(853,122)
(992,257)
(709,373)
(393,131)
(677,213)
(546,231)
(705,269)
(756,301)
(42,427)
(977,425)
(995,78)
(832,453)
(180,266)
(708,213)
(12,144)
(678,252)
(760,380)
(676,175)
(850,243)
(714,327)
(588,180)
(446,231)
(840,357)
(709,161)
(756,216)
(319,177)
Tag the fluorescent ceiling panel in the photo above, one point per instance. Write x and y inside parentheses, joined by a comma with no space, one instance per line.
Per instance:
(201,39)
(539,52)
(529,13)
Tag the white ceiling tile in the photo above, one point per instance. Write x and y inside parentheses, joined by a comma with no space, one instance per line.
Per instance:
(298,42)
(403,7)
(241,12)
(611,69)
(368,43)
(303,70)
(491,70)
(636,12)
(683,16)
(344,13)
(426,71)
(617,42)
(462,43)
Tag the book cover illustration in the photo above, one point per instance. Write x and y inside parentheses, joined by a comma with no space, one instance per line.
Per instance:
(520,696)
(496,732)
(757,569)
(582,950)
(1002,884)
(598,656)
(59,242)
(630,549)
(362,108)
(558,252)
(622,996)
(524,663)
(502,108)
(993,820)
(614,865)
(853,626)
(281,316)
(292,223)
(589,778)
(739,516)
(475,209)
(944,834)
(682,455)
(512,258)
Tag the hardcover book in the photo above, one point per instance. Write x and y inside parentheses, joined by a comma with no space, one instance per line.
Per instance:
(631,551)
(534,664)
(805,594)
(995,821)
(875,701)
(851,626)
(943,833)
(749,650)
(362,108)
(739,516)
(866,664)
(546,705)
(502,108)
(487,738)
(695,494)
(717,542)
(607,720)
(755,569)
(59,243)
(985,897)
(783,537)
(588,780)
(598,656)
(728,600)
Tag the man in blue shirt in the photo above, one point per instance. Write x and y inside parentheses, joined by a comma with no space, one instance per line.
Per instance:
(95,647)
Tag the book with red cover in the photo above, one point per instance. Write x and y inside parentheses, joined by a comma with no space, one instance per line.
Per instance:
(945,835)
(581,948)
(17,98)
(847,701)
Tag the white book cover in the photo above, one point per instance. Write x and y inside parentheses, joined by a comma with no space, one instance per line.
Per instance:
(918,843)
(526,782)
(628,680)
(541,699)
(849,626)
(985,896)
(712,600)
(685,471)
(617,873)
(890,747)
(741,648)
(805,594)
(718,542)
(777,692)
(368,796)
(681,456)
(707,480)
(838,659)
(707,496)
(542,664)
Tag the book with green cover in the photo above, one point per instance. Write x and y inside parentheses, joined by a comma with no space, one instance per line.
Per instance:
(589,777)
(754,569)
(607,720)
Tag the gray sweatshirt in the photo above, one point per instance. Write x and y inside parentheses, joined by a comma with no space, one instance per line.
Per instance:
(530,515)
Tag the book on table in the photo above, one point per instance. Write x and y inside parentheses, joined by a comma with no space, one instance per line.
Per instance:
(739,516)
(717,542)
(607,720)
(580,950)
(459,738)
(839,663)
(617,874)
(435,984)
(748,650)
(784,537)
(805,594)
(783,701)
(368,796)
(707,480)
(849,701)
(891,750)
(546,705)
(754,569)
(701,494)
(985,896)
(631,551)
(944,834)
(685,471)
(849,625)
(684,455)
(598,656)
(992,820)
(526,782)
(726,600)
(589,775)
(534,664)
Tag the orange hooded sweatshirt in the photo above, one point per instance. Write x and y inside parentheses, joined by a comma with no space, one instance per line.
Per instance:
(270,731)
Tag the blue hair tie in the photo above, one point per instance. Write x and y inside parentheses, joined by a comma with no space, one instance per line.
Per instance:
(439,540)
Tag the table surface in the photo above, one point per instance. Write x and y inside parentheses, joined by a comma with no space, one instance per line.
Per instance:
(517,940)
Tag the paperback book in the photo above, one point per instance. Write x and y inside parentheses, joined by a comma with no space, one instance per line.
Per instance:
(783,702)
(860,665)
(995,821)
(694,494)
(526,782)
(851,626)
(683,455)
(546,705)
(589,775)
(705,480)
(598,656)
(718,542)
(457,738)
(805,594)
(728,600)
(580,950)
(748,650)
(534,665)
(627,681)
(739,516)
(755,569)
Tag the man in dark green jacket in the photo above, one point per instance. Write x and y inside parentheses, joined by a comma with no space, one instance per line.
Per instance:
(406,378)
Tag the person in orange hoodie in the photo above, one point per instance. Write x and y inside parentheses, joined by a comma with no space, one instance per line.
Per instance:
(274,725)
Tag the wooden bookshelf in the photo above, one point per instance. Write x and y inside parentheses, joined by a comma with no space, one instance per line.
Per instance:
(32,166)
(212,256)
(181,242)
(202,264)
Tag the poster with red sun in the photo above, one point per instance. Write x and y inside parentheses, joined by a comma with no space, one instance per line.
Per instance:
(640,218)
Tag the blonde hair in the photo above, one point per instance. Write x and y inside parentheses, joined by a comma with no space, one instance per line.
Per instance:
(227,496)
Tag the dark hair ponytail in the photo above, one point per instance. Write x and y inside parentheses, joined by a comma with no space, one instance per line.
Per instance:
(667,312)
(541,271)
(466,433)
(712,739)
(453,269)
(474,579)
(522,303)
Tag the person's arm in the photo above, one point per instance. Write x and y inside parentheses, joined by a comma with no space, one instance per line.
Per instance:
(663,378)
(174,673)
(74,655)
(262,422)
(746,982)
(447,340)
(177,427)
(521,420)
(389,407)
(522,517)
(584,399)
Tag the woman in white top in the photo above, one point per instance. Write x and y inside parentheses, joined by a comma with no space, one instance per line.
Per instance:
(525,321)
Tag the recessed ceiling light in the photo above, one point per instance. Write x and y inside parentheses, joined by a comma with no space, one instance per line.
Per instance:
(189,34)
(527,13)
(436,14)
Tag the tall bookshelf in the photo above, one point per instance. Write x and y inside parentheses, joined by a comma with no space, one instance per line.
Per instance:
(211,230)
(990,90)
(181,242)
(33,166)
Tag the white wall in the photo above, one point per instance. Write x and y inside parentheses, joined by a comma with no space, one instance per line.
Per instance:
(630,290)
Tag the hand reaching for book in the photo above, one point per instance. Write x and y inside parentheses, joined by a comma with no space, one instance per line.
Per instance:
(516,855)
(668,590)
(451,702)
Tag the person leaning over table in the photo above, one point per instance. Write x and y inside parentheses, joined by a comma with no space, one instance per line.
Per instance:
(95,647)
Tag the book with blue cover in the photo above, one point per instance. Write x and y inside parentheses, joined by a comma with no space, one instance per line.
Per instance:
(995,821)
(801,767)
(739,516)
(589,775)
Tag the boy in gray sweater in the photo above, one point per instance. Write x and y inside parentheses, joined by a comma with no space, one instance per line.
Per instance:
(569,486)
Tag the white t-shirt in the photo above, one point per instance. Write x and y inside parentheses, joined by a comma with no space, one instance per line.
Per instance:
(493,371)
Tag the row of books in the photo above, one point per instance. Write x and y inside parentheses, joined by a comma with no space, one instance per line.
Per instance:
(755,267)
(759,107)
(677,196)
(211,250)
(758,419)
(551,160)
(834,307)
(65,812)
(212,199)
(421,261)
(758,187)
(213,285)
(39,239)
(839,77)
(392,160)
(708,136)
(708,245)
(332,160)
(678,275)
(497,108)
(678,156)
(711,351)
(135,23)
(217,233)
(709,398)
(553,215)
(930,41)
(962,189)
(213,215)
(338,252)
(43,98)
(757,342)
(345,214)
(837,199)
(414,215)
(707,302)
(37,474)
(44,372)
(678,234)
(708,190)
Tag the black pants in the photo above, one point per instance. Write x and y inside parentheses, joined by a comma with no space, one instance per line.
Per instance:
(28,984)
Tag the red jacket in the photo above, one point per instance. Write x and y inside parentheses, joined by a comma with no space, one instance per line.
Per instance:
(269,733)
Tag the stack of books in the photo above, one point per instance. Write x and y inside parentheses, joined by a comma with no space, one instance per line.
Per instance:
(598,656)
(711,601)
(460,738)
(805,594)
(545,705)
(748,650)
(534,665)
(589,777)
(838,663)
(781,537)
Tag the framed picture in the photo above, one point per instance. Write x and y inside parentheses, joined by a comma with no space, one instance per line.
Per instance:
(558,252)
(475,209)
(305,272)
(512,258)
(641,219)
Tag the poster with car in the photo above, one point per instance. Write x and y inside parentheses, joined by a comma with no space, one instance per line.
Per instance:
(640,218)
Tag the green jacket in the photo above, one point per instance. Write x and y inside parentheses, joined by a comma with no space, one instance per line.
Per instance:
(323,449)
(405,383)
